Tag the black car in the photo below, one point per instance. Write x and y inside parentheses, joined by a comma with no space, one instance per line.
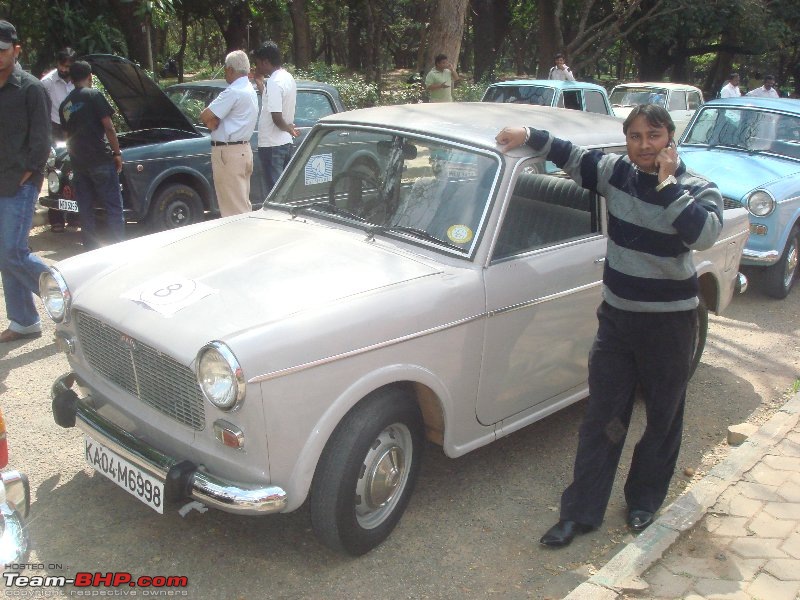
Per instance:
(166,177)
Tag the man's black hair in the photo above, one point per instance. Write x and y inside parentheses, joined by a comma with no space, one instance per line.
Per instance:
(557,56)
(66,55)
(269,51)
(80,70)
(732,75)
(439,57)
(769,77)
(657,116)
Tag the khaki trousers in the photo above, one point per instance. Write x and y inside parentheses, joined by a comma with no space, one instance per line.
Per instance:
(232,167)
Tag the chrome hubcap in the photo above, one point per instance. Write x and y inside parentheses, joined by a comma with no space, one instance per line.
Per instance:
(383,476)
(791,264)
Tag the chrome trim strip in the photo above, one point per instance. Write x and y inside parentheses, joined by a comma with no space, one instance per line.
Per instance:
(356,351)
(229,496)
(768,258)
(543,299)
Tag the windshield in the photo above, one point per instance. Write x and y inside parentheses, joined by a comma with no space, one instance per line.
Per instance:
(747,129)
(520,94)
(428,191)
(630,96)
(191,101)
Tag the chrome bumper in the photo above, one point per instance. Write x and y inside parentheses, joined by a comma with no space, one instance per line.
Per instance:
(752,257)
(182,479)
(740,287)
(15,502)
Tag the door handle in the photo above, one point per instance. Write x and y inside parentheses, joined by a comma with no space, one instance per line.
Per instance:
(600,261)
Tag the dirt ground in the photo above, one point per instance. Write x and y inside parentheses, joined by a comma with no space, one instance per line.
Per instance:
(471,529)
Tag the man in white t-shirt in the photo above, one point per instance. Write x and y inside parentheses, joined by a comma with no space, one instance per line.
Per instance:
(276,121)
(767,90)
(731,89)
(560,71)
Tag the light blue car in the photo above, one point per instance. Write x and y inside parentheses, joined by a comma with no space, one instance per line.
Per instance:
(750,147)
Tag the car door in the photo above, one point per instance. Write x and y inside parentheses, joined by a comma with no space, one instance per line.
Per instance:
(542,291)
(678,110)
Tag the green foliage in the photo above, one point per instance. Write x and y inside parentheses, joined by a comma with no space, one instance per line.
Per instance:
(467,91)
(354,89)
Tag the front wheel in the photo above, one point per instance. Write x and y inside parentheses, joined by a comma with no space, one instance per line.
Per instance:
(780,277)
(175,205)
(367,472)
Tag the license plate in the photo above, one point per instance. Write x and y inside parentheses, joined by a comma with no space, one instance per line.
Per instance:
(129,477)
(68,205)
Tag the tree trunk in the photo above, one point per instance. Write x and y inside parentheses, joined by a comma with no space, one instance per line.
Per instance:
(232,20)
(355,27)
(490,20)
(550,36)
(372,52)
(132,26)
(447,28)
(302,33)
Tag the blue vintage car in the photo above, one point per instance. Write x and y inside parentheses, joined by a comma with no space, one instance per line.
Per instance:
(751,148)
(577,95)
(166,176)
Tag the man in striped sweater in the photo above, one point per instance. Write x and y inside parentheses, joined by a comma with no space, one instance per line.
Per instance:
(658,212)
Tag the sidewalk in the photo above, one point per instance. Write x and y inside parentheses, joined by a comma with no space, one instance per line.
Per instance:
(733,536)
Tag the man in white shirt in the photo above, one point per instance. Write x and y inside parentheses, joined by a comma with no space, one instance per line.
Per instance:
(767,90)
(731,89)
(276,121)
(232,117)
(58,85)
(560,71)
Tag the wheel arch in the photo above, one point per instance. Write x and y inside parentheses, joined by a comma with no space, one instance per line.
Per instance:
(709,290)
(189,177)
(420,385)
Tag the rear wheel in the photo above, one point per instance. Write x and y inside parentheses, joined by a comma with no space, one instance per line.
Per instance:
(780,277)
(175,205)
(367,472)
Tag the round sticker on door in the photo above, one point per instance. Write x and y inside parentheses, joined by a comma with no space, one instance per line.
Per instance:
(459,234)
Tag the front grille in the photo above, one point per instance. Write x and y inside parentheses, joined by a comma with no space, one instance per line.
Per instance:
(728,203)
(155,378)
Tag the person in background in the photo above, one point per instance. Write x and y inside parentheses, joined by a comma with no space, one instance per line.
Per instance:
(276,121)
(658,213)
(560,71)
(731,89)
(25,133)
(232,117)
(58,85)
(440,80)
(86,119)
(767,90)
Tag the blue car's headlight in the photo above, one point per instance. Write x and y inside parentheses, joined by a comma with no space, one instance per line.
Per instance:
(760,203)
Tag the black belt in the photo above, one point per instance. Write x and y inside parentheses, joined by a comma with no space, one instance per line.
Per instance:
(228,143)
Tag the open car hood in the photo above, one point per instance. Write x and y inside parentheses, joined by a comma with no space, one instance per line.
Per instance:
(140,101)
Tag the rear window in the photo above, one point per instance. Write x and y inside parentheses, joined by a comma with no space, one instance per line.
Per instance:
(520,94)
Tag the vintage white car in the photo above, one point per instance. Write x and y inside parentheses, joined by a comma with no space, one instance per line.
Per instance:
(405,280)
(680,99)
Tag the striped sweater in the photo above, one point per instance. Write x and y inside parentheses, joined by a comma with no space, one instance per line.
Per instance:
(649,266)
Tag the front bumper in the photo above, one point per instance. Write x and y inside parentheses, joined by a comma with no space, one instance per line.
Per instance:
(761,259)
(182,479)
(15,501)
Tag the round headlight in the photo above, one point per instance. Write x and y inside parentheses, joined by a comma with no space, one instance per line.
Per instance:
(55,295)
(53,181)
(760,203)
(220,376)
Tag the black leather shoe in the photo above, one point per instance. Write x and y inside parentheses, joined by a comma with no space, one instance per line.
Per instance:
(563,532)
(639,520)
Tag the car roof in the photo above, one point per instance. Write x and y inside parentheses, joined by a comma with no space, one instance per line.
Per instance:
(656,84)
(302,84)
(553,83)
(477,123)
(782,104)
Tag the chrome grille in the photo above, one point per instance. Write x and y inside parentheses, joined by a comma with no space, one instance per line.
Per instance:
(728,203)
(155,378)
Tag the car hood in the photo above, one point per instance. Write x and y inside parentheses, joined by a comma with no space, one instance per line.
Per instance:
(233,277)
(737,173)
(142,104)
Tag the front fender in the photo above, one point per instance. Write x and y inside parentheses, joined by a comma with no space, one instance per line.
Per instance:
(143,187)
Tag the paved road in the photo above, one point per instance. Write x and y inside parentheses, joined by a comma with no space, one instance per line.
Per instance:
(471,529)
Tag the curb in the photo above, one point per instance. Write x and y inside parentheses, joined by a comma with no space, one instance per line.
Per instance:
(622,573)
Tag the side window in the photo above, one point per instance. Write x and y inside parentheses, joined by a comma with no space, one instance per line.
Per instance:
(677,100)
(545,210)
(311,107)
(572,99)
(693,101)
(595,103)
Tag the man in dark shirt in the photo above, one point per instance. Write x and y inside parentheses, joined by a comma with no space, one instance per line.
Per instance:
(25,135)
(86,119)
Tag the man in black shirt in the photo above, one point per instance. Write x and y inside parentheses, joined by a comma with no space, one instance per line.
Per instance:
(86,119)
(25,136)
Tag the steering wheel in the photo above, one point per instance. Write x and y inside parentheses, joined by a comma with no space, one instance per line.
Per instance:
(358,179)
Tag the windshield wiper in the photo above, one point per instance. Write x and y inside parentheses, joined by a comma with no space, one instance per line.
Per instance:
(413,231)
(319,204)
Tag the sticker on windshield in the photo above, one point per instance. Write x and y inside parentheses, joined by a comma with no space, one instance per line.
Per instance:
(459,234)
(168,293)
(319,169)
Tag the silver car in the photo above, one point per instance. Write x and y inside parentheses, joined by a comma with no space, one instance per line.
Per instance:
(406,280)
